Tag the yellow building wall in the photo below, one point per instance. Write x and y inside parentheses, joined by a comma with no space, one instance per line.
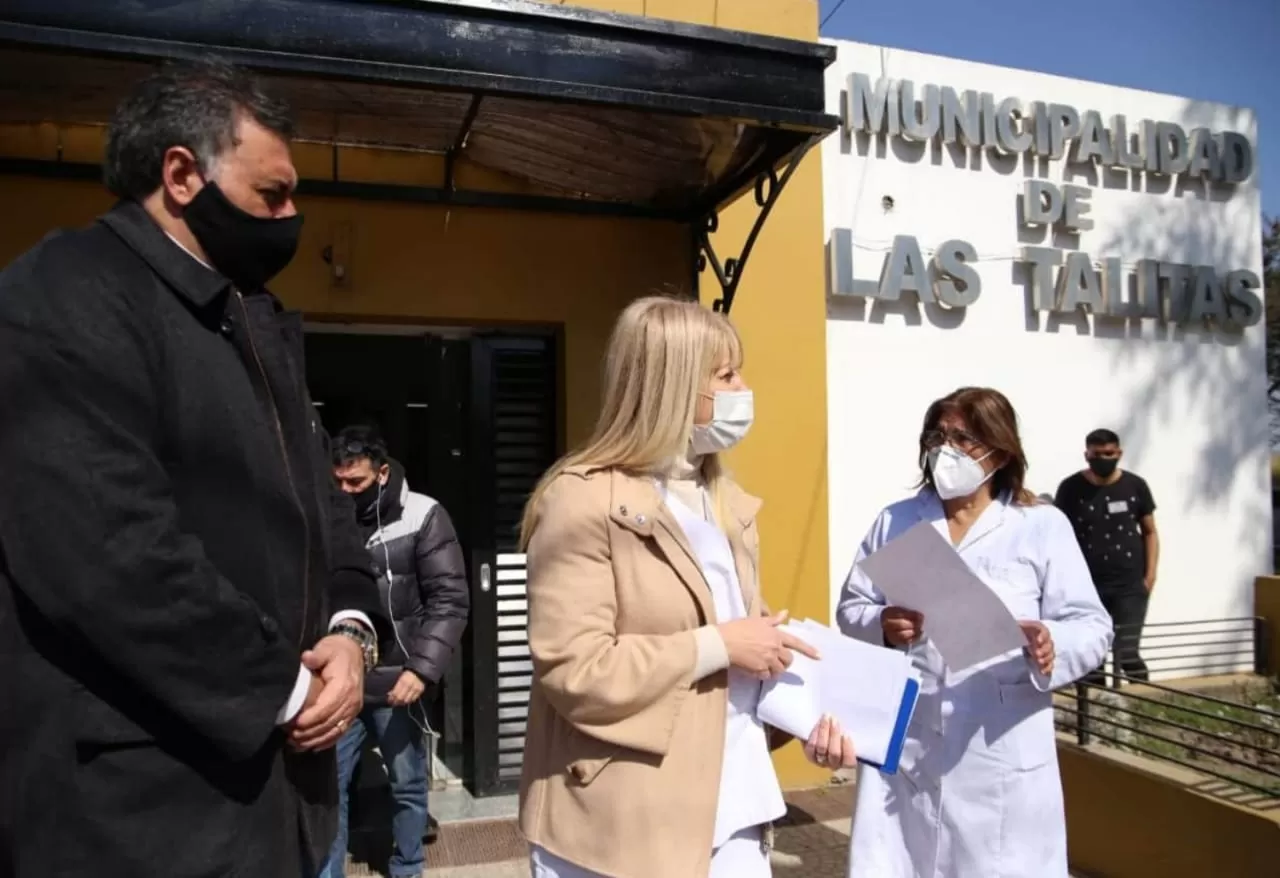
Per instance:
(415,262)
(468,265)
(781,312)
(1131,817)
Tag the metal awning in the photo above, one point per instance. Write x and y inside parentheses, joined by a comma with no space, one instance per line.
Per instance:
(582,110)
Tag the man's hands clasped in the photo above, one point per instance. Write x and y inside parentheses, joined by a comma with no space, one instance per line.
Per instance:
(757,646)
(336,694)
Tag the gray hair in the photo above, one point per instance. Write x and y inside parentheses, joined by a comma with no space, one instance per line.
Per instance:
(197,105)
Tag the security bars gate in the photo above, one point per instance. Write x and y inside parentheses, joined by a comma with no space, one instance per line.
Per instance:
(513,441)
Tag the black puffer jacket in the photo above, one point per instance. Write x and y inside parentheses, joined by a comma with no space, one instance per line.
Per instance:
(427,595)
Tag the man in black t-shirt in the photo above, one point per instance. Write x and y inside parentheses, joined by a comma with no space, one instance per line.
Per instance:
(1113,514)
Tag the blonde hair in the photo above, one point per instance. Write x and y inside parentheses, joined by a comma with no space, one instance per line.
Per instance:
(661,355)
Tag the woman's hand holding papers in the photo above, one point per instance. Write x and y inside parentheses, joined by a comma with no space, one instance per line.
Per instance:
(901,626)
(1039,646)
(756,645)
(828,747)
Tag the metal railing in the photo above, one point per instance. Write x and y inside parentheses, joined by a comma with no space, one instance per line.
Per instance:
(1201,647)
(1234,741)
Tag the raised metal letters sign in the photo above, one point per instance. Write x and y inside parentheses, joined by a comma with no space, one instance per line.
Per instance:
(1060,280)
(1014,126)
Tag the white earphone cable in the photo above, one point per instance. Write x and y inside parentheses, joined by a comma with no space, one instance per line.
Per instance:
(425,725)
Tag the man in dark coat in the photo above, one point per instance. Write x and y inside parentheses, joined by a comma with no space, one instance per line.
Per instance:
(423,584)
(186,609)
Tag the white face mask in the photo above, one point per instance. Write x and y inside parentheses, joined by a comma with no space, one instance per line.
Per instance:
(956,474)
(731,417)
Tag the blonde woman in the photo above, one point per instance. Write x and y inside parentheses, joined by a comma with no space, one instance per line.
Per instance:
(643,756)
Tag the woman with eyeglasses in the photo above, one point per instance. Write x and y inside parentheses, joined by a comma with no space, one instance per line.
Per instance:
(977,794)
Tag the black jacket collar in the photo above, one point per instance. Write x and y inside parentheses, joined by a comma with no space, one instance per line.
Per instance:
(187,276)
(390,504)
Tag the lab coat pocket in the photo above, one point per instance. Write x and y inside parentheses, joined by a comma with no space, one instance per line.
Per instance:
(1027,713)
(1015,581)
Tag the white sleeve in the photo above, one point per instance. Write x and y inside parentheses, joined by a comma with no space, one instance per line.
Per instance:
(352,616)
(1069,606)
(861,603)
(298,696)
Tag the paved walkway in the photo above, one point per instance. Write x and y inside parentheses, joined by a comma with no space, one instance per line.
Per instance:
(811,842)
(816,850)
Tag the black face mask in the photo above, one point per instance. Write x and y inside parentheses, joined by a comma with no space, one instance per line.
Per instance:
(1103,467)
(248,250)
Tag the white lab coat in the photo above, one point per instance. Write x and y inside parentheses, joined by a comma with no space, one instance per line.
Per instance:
(977,793)
(749,792)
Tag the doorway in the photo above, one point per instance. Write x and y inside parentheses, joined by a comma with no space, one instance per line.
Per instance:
(473,416)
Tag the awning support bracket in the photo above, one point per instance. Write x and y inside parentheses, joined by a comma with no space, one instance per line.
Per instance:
(768,189)
(460,143)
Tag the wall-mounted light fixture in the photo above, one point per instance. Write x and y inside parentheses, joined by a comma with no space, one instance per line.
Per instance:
(337,256)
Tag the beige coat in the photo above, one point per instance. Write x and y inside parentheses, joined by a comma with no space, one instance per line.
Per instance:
(623,750)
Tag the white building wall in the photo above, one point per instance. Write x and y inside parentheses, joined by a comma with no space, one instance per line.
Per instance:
(1189,404)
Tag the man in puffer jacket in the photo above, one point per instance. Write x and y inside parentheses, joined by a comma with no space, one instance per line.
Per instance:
(423,585)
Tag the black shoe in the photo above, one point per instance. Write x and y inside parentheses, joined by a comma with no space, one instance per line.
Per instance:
(433,830)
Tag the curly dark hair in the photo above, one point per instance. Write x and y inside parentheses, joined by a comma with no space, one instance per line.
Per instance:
(193,104)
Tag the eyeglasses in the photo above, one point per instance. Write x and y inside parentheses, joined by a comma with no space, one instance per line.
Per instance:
(937,438)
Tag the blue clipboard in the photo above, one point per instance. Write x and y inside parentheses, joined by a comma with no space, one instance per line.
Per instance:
(909,696)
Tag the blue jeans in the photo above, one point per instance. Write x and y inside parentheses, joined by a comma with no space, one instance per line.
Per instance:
(405,757)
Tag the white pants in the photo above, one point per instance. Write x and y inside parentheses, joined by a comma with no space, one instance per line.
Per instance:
(739,857)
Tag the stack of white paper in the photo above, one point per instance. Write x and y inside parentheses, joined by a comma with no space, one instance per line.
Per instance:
(869,690)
